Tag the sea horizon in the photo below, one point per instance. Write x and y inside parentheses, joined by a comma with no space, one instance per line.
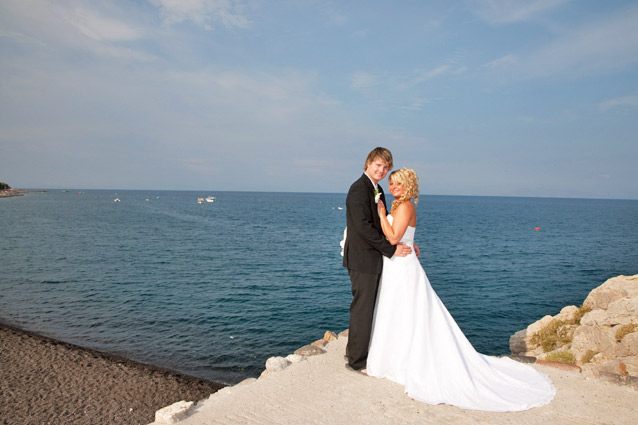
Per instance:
(206,191)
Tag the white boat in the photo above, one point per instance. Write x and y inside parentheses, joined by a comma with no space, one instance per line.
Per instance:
(200,200)
(116,200)
(210,199)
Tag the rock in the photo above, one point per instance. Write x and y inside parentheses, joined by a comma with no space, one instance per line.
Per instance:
(620,350)
(613,308)
(330,336)
(519,343)
(612,377)
(624,311)
(631,363)
(629,344)
(344,332)
(309,350)
(612,290)
(246,381)
(538,325)
(622,366)
(567,313)
(596,318)
(523,359)
(275,364)
(320,343)
(593,338)
(173,413)
(564,366)
(294,358)
(598,359)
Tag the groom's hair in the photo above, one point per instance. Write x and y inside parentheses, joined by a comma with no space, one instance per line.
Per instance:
(381,153)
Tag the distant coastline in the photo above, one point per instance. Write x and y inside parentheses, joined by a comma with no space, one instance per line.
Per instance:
(9,193)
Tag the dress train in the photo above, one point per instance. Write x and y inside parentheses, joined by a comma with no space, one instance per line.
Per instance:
(416,342)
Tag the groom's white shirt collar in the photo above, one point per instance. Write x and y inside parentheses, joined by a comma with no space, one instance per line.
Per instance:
(371,181)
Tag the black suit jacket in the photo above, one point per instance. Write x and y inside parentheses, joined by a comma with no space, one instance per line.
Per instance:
(365,242)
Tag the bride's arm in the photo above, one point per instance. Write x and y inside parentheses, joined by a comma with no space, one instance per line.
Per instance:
(385,224)
(401,219)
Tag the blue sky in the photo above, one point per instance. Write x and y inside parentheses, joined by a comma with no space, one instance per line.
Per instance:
(507,98)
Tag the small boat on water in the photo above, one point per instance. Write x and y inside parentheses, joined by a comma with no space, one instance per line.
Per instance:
(210,199)
(200,200)
(116,200)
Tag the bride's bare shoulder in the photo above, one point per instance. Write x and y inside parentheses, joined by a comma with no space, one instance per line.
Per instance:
(404,209)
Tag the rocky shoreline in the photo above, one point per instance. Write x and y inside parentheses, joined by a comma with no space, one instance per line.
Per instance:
(599,339)
(9,193)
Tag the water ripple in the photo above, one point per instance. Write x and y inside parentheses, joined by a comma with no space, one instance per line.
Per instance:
(215,290)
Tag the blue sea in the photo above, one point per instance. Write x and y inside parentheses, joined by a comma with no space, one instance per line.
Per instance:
(213,290)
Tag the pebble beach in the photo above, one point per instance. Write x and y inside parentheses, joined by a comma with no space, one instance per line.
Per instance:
(44,381)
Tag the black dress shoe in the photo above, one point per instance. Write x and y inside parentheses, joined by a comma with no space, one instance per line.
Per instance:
(356,370)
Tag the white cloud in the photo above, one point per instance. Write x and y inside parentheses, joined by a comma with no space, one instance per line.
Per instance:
(390,91)
(68,26)
(18,37)
(362,81)
(205,13)
(510,11)
(631,101)
(504,61)
(607,45)
(337,20)
(102,28)
(426,75)
(415,104)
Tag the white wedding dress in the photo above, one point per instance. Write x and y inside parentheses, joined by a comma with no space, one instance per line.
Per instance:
(416,342)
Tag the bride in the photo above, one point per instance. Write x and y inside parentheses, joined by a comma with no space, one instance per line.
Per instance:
(416,342)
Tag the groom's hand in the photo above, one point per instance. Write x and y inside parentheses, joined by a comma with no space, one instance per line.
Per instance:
(402,250)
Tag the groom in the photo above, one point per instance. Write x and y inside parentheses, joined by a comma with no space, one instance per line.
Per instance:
(362,253)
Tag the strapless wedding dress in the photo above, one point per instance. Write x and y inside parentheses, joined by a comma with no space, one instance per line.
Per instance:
(416,342)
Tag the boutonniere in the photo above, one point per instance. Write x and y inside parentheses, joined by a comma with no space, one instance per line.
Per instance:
(377,196)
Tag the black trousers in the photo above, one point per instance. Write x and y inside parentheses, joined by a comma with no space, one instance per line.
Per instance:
(364,291)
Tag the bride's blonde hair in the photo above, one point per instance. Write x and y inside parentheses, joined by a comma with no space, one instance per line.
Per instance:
(410,182)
